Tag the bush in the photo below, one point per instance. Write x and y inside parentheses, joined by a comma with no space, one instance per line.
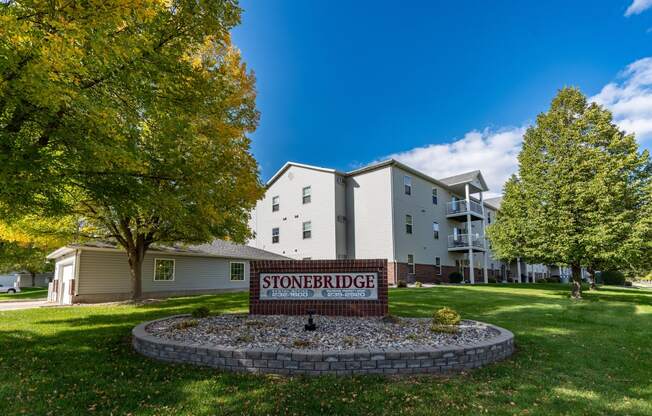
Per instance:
(446,316)
(492,280)
(628,283)
(554,279)
(418,284)
(455,277)
(201,312)
(612,277)
(446,329)
(401,283)
(186,323)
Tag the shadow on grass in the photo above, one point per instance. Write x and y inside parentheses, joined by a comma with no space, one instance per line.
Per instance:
(79,360)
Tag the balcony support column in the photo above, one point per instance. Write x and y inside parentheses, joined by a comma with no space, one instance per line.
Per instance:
(484,239)
(469,233)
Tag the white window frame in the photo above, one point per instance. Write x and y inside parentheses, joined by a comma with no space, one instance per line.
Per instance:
(244,271)
(174,269)
(305,194)
(412,269)
(435,196)
(276,206)
(438,267)
(409,224)
(407,185)
(304,230)
(435,230)
(278,235)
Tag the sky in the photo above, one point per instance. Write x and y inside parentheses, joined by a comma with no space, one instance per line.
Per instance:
(445,87)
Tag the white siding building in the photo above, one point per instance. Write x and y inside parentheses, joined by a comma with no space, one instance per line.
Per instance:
(426,228)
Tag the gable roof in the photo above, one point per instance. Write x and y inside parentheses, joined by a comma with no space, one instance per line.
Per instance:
(288,165)
(494,202)
(218,248)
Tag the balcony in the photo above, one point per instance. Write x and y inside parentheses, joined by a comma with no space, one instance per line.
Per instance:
(458,210)
(462,242)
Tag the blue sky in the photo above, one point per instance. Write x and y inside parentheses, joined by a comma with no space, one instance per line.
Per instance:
(443,86)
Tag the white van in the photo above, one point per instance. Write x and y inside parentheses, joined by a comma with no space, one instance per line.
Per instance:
(9,283)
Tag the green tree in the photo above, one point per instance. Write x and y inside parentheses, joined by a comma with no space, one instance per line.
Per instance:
(16,257)
(582,189)
(131,116)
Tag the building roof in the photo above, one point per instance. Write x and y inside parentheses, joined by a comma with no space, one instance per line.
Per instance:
(494,202)
(218,248)
(287,166)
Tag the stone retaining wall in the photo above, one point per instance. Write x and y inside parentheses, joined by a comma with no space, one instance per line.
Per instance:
(312,362)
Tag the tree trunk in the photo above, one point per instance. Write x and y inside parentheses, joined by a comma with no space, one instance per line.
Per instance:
(591,271)
(576,288)
(33,278)
(136,255)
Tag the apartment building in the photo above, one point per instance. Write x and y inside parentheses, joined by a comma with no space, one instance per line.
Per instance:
(426,228)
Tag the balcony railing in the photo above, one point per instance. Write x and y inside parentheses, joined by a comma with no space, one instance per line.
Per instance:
(461,207)
(466,241)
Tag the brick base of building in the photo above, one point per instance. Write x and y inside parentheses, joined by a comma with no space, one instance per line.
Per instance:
(429,273)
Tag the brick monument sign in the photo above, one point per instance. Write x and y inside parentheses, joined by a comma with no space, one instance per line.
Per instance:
(327,287)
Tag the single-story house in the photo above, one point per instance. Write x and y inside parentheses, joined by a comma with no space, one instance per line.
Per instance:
(99,272)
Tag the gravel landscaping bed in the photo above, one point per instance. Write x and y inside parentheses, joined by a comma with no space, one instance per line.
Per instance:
(333,333)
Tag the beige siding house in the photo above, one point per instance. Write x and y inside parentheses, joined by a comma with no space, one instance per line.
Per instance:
(98,272)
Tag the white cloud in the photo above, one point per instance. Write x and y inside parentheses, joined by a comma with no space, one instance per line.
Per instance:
(494,152)
(638,7)
(630,99)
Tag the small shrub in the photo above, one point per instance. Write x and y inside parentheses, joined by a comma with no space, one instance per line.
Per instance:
(348,340)
(201,312)
(418,284)
(628,283)
(391,319)
(612,277)
(555,279)
(492,280)
(186,323)
(401,283)
(455,277)
(301,343)
(254,323)
(446,316)
(445,329)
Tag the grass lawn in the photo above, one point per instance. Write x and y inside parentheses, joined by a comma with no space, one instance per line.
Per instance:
(591,357)
(34,293)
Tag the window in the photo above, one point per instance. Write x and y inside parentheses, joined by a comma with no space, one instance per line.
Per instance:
(275,203)
(163,270)
(434,196)
(307,192)
(435,230)
(307,230)
(237,271)
(410,262)
(408,224)
(438,266)
(488,217)
(407,183)
(275,235)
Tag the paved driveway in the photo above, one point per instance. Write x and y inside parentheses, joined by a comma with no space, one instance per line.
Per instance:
(12,306)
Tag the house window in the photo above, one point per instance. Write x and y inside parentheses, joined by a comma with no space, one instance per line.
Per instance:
(407,183)
(237,271)
(410,261)
(275,203)
(438,266)
(163,270)
(435,230)
(307,192)
(434,196)
(275,235)
(488,217)
(408,224)
(307,230)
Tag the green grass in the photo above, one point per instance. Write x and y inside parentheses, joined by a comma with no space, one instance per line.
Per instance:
(589,357)
(34,293)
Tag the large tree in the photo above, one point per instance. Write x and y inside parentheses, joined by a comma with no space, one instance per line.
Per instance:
(131,116)
(582,189)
